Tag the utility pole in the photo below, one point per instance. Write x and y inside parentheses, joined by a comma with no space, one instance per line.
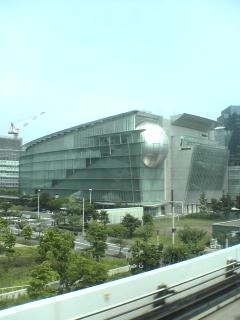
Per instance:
(38,206)
(173,227)
(83,218)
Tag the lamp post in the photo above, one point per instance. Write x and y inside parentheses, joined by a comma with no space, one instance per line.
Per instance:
(38,211)
(90,196)
(173,219)
(173,227)
(83,218)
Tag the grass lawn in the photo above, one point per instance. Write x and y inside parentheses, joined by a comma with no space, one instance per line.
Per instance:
(16,271)
(164,226)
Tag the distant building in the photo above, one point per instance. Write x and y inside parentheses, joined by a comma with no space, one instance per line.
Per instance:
(230,133)
(136,158)
(10,150)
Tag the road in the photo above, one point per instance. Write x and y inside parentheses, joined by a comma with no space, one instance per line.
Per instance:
(112,249)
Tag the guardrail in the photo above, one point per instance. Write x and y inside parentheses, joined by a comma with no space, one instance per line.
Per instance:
(137,295)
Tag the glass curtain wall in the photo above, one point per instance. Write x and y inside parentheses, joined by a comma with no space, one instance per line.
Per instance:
(105,156)
(207,172)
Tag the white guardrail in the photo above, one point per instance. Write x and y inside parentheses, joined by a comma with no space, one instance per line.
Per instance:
(110,300)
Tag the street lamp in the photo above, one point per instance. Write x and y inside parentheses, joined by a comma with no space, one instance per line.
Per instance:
(38,212)
(173,219)
(83,218)
(90,196)
(173,227)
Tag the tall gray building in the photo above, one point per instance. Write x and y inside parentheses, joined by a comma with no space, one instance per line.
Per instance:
(230,121)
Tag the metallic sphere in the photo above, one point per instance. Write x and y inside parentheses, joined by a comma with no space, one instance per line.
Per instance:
(155,145)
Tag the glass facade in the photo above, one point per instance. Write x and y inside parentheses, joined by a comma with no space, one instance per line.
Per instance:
(105,156)
(230,118)
(207,172)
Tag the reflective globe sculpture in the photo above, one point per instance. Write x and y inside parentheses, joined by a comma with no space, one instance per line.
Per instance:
(155,145)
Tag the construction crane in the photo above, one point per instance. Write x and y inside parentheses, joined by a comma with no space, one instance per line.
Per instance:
(15,130)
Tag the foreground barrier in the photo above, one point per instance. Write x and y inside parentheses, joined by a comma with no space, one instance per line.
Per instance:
(137,295)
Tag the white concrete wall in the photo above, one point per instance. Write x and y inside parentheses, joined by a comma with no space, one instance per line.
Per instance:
(116,215)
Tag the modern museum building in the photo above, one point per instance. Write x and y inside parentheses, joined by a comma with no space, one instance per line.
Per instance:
(135,158)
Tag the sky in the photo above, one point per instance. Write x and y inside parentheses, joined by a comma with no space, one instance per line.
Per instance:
(82,60)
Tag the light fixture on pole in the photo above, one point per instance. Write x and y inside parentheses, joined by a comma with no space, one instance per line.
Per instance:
(38,211)
(90,196)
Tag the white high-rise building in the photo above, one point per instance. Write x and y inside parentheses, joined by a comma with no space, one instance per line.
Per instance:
(10,150)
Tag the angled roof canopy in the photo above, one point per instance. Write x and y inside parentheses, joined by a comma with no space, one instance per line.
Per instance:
(190,121)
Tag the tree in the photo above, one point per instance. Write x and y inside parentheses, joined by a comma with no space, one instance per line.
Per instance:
(189,235)
(56,246)
(5,206)
(145,256)
(83,272)
(147,218)
(226,204)
(58,218)
(97,236)
(119,233)
(27,232)
(74,207)
(215,205)
(41,276)
(44,199)
(55,204)
(3,224)
(103,217)
(40,227)
(144,232)
(74,220)
(175,254)
(131,223)
(195,239)
(203,203)
(90,212)
(238,201)
(8,240)
(21,224)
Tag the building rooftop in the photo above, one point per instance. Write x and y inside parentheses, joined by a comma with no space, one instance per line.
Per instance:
(190,121)
(88,124)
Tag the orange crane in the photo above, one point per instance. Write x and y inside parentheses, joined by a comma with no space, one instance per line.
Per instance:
(15,131)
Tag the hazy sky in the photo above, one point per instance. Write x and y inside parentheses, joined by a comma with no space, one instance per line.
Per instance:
(81,60)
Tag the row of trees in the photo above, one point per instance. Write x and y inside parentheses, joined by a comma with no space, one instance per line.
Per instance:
(58,262)
(8,239)
(147,256)
(218,206)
